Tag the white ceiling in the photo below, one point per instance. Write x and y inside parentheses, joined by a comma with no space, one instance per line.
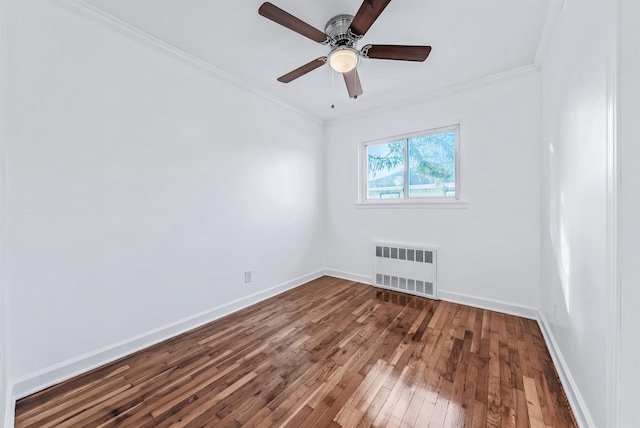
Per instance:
(471,39)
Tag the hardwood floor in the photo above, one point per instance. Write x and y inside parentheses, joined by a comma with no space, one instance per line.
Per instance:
(332,353)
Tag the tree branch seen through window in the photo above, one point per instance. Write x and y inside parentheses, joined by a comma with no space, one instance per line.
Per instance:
(430,170)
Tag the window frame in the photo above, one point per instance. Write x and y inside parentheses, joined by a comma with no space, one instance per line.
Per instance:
(436,202)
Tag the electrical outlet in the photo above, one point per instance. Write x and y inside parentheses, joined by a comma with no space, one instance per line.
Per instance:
(248,276)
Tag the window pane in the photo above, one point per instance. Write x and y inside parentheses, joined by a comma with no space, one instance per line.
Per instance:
(432,165)
(385,170)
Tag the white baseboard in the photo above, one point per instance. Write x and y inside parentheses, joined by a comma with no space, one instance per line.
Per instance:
(463,299)
(349,276)
(57,373)
(580,411)
(489,304)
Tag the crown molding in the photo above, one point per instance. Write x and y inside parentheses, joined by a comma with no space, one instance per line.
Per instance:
(492,79)
(554,9)
(110,22)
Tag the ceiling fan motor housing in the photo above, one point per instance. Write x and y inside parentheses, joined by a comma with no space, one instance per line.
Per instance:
(338,29)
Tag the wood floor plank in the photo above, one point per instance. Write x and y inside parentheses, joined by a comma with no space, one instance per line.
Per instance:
(417,399)
(388,407)
(456,410)
(533,403)
(331,353)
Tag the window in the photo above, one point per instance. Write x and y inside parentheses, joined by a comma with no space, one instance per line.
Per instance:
(419,167)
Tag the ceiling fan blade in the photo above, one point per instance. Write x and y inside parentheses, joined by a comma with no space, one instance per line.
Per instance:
(369,11)
(301,71)
(285,19)
(352,81)
(397,52)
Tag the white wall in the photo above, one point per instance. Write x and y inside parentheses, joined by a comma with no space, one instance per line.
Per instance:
(488,250)
(141,189)
(4,383)
(629,209)
(574,197)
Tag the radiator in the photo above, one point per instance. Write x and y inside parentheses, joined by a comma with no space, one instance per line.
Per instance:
(406,268)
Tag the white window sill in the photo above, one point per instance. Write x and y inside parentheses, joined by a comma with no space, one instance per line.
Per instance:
(409,203)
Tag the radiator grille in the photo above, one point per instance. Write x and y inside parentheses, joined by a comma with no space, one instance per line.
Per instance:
(409,269)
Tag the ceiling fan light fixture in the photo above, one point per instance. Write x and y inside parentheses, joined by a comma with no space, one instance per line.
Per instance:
(343,59)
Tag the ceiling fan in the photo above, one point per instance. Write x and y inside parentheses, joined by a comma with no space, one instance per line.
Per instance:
(341,34)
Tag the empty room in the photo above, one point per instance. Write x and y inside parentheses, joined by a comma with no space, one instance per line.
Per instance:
(345,213)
